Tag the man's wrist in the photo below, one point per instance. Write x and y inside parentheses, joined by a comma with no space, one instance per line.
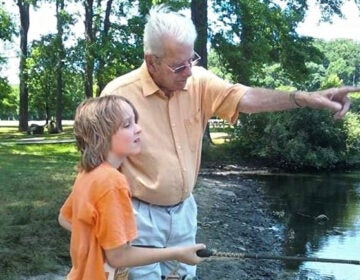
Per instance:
(294,98)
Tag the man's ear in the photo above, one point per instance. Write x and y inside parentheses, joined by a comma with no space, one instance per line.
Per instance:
(150,61)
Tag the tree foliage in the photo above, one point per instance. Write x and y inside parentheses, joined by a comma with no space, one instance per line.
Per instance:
(300,139)
(294,140)
(7,99)
(7,26)
(254,33)
(43,84)
(342,58)
(250,41)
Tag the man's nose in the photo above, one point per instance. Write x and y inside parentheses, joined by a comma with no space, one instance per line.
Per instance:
(187,70)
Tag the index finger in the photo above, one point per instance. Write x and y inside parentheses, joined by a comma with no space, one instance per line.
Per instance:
(339,93)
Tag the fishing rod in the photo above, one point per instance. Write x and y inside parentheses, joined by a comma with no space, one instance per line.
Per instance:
(205,253)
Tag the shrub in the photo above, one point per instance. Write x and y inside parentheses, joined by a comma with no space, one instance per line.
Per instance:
(298,139)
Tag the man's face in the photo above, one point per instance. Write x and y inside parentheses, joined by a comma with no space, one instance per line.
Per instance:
(171,71)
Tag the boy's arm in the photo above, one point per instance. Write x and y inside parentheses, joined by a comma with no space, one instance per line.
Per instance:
(64,223)
(129,256)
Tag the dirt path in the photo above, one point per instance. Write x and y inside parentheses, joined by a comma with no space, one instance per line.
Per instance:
(234,217)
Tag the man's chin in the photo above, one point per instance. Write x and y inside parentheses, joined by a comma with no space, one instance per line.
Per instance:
(180,85)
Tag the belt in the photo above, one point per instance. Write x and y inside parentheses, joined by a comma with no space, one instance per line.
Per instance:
(161,206)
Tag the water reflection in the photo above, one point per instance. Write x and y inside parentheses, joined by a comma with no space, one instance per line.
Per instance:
(321,218)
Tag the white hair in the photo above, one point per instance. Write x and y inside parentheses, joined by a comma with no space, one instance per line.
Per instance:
(161,22)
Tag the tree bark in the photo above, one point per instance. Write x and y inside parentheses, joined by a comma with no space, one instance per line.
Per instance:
(199,16)
(89,56)
(60,63)
(101,81)
(24,10)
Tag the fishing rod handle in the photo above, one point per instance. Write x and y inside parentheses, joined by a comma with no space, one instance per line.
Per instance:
(204,253)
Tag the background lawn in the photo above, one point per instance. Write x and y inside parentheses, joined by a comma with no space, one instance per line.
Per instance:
(35,180)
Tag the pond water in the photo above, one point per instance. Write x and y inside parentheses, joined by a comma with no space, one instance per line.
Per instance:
(320,216)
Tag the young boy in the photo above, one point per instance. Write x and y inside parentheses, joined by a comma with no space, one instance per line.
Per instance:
(98,212)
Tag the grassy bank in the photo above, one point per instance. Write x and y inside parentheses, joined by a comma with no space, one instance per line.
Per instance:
(35,179)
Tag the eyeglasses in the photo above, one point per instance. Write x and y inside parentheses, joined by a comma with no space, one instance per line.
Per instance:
(191,62)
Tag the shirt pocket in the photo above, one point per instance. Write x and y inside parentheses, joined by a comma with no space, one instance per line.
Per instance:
(194,131)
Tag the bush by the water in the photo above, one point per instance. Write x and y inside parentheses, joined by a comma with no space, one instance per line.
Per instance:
(302,139)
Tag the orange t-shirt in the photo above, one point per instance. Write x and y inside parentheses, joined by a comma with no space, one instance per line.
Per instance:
(100,212)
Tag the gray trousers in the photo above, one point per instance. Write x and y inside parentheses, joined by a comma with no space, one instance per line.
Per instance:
(161,227)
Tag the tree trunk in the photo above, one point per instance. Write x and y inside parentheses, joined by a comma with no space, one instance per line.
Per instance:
(101,81)
(23,87)
(199,16)
(89,56)
(60,63)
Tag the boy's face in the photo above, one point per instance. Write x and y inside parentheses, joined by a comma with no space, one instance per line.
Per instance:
(126,140)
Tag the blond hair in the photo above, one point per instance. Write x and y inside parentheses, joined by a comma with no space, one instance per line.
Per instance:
(96,120)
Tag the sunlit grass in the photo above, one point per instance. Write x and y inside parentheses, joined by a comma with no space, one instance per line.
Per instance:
(11,133)
(35,180)
(219,138)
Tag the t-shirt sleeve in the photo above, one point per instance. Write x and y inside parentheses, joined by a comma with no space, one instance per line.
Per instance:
(66,209)
(116,224)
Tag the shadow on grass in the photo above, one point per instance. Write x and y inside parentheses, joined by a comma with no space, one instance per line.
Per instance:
(35,181)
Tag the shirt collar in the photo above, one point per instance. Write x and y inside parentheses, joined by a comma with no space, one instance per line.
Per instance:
(149,86)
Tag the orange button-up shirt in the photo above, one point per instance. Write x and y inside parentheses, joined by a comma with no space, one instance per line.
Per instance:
(165,171)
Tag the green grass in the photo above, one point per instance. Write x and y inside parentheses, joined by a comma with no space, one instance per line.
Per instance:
(35,180)
(8,134)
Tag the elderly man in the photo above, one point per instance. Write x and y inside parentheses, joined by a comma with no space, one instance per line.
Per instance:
(175,99)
